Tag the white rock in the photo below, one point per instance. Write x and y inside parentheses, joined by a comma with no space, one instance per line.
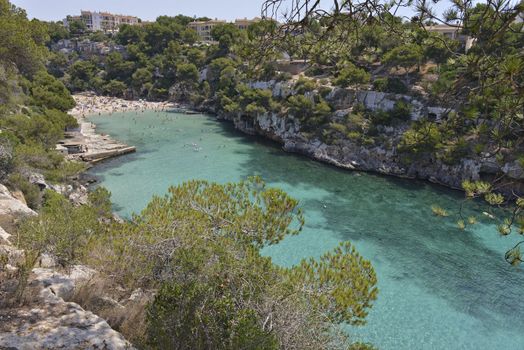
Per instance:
(137,295)
(72,329)
(15,256)
(4,236)
(47,261)
(12,206)
(61,285)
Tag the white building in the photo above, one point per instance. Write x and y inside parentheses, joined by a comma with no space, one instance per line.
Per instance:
(103,21)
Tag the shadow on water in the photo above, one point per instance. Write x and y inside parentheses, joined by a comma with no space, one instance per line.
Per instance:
(393,215)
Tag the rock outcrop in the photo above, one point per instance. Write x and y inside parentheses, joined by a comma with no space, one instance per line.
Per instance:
(381,157)
(49,322)
(46,320)
(10,206)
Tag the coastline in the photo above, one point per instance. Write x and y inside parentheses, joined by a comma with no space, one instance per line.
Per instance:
(101,146)
(85,143)
(378,161)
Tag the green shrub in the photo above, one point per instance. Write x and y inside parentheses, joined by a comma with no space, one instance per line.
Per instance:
(115,88)
(6,158)
(61,229)
(323,91)
(380,84)
(254,110)
(422,137)
(454,152)
(31,192)
(356,121)
(43,129)
(520,161)
(380,117)
(401,110)
(100,200)
(351,75)
(341,128)
(64,171)
(49,92)
(406,56)
(354,135)
(229,106)
(368,141)
(304,85)
(254,102)
(283,76)
(390,84)
(478,148)
(184,314)
(34,156)
(187,72)
(309,113)
(314,71)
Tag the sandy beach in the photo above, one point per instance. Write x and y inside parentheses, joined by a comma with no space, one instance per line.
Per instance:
(86,144)
(89,104)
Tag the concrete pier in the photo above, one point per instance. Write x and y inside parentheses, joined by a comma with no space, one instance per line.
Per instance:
(89,146)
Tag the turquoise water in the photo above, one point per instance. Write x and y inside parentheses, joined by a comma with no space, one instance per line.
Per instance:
(440,288)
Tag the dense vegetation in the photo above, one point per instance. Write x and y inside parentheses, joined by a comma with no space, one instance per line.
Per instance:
(33,106)
(196,251)
(162,60)
(480,88)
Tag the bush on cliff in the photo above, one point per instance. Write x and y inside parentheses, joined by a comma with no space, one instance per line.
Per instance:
(351,75)
(63,230)
(49,92)
(198,248)
(423,137)
(390,84)
(309,112)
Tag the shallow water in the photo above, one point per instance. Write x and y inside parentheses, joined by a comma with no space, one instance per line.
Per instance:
(440,288)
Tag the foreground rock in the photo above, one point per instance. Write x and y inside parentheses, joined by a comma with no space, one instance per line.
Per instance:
(11,209)
(45,320)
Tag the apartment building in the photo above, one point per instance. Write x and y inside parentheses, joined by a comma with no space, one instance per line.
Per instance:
(243,24)
(452,32)
(203,28)
(104,21)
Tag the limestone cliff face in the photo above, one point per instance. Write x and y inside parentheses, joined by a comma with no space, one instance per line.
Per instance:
(381,158)
(46,320)
(350,155)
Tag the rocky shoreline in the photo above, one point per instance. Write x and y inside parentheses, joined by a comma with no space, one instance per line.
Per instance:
(346,154)
(48,318)
(52,319)
(381,159)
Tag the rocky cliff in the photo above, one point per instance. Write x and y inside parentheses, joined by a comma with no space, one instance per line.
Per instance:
(384,157)
(44,319)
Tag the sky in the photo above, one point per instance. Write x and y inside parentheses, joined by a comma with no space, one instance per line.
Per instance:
(54,10)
